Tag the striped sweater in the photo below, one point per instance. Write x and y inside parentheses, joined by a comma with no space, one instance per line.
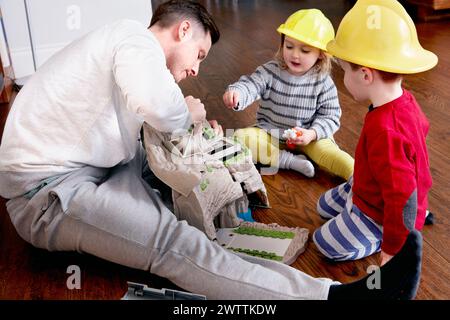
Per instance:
(309,101)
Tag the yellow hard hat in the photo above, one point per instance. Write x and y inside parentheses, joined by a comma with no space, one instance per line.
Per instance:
(309,26)
(380,34)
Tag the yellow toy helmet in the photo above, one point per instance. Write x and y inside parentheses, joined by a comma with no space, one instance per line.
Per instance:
(380,34)
(309,26)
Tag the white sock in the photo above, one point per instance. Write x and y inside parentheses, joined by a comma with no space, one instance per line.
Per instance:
(296,162)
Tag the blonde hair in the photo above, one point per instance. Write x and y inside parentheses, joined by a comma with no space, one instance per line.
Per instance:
(322,66)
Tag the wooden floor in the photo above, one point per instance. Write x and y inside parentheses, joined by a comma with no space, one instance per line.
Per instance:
(248,40)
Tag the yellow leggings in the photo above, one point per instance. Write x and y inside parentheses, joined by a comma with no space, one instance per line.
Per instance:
(325,152)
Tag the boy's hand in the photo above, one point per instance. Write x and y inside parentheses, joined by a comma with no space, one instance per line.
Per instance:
(307,135)
(231,99)
(196,108)
(384,258)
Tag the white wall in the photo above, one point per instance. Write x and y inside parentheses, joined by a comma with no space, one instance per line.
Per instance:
(55,23)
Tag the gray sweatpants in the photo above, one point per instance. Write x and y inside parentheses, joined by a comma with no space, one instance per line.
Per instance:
(114,214)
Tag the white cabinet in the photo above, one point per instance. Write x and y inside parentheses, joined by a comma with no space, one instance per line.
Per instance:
(36,29)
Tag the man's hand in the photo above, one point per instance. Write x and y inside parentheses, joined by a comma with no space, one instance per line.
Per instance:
(384,257)
(307,135)
(196,108)
(217,127)
(231,99)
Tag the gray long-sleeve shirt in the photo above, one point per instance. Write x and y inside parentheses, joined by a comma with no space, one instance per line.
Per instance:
(309,101)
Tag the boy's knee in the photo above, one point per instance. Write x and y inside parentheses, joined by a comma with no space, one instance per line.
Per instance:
(319,207)
(324,210)
(328,251)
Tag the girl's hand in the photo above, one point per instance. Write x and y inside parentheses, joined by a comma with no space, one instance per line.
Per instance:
(231,99)
(306,136)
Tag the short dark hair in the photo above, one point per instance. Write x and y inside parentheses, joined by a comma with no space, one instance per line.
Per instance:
(172,11)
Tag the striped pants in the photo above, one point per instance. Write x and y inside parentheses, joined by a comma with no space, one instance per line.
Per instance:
(348,234)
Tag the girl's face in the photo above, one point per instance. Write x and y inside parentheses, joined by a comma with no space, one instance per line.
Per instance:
(298,56)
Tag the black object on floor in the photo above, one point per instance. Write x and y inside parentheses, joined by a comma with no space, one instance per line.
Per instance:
(399,278)
(429,220)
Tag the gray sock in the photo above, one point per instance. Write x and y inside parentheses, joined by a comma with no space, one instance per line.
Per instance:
(298,163)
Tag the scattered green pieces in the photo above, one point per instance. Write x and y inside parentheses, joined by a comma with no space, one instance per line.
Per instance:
(257,253)
(238,158)
(209,133)
(265,233)
(204,184)
(209,169)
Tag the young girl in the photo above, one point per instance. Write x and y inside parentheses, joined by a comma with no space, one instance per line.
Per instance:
(296,91)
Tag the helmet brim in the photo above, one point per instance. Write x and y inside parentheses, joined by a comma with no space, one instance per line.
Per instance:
(301,38)
(416,61)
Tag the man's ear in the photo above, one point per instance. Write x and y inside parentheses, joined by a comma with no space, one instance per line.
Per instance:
(184,30)
(367,75)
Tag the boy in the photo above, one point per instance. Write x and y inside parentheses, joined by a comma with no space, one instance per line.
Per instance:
(377,42)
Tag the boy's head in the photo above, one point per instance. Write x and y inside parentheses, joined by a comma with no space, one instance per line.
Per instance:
(380,34)
(186,32)
(304,37)
(366,83)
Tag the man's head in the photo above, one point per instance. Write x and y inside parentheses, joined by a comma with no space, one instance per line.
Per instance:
(186,32)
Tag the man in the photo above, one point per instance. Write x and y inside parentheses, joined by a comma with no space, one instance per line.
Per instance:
(72,165)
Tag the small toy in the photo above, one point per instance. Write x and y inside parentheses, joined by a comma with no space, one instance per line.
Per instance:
(246,216)
(214,183)
(265,241)
(289,135)
(137,291)
(212,177)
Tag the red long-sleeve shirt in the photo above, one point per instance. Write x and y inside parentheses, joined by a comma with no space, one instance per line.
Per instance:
(392,175)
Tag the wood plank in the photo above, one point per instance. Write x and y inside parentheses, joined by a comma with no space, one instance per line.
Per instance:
(433,4)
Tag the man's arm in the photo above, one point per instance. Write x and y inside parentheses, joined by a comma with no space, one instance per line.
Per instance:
(148,87)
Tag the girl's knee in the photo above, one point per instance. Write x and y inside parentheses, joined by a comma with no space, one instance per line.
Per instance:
(250,137)
(327,155)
